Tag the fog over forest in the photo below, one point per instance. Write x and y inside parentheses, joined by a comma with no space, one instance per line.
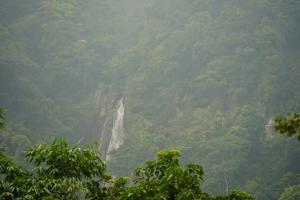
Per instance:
(205,77)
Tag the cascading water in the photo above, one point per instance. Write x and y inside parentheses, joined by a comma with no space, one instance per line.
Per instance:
(117,133)
(269,129)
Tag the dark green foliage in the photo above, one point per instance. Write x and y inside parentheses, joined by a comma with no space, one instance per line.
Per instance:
(61,160)
(60,172)
(235,195)
(164,178)
(111,189)
(291,193)
(14,180)
(65,172)
(202,76)
(289,125)
(2,123)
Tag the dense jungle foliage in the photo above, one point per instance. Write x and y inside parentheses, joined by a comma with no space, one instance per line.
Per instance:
(289,125)
(203,76)
(65,172)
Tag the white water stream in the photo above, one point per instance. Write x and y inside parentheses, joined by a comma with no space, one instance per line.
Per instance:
(117,133)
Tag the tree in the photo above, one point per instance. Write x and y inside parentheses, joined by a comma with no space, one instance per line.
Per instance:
(291,193)
(289,125)
(65,172)
(14,181)
(60,172)
(165,179)
(2,124)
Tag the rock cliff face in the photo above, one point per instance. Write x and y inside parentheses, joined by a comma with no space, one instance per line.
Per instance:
(106,100)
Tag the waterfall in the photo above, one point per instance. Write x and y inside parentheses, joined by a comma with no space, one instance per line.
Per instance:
(269,129)
(117,133)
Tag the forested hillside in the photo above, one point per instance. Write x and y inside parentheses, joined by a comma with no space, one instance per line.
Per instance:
(206,77)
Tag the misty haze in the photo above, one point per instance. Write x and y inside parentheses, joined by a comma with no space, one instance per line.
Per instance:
(150,99)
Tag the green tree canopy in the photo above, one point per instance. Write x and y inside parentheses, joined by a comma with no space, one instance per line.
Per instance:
(165,179)
(291,193)
(289,125)
(62,171)
(2,124)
